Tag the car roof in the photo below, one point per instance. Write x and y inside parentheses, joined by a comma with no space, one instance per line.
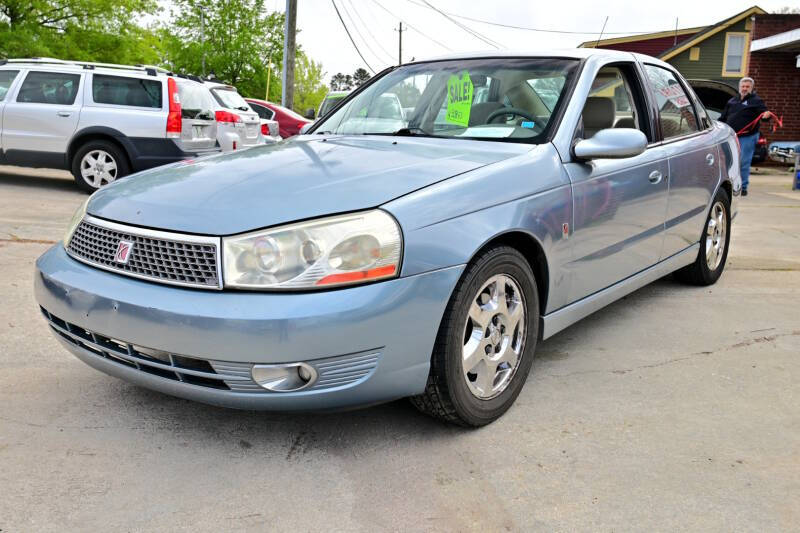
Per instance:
(58,65)
(570,53)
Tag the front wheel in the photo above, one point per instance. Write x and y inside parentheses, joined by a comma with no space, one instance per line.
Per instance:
(485,345)
(714,242)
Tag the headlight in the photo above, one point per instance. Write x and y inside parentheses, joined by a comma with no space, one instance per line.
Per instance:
(75,221)
(328,252)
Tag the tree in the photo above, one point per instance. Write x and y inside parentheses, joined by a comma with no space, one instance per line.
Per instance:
(241,38)
(309,87)
(341,82)
(786,10)
(360,76)
(87,30)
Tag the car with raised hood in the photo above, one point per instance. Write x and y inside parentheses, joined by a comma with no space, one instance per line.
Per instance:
(100,121)
(346,267)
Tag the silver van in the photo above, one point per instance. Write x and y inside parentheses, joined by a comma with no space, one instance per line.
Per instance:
(100,121)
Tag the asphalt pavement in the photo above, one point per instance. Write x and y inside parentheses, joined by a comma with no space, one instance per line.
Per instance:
(676,408)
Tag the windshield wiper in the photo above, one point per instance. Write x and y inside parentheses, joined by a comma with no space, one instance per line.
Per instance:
(413,131)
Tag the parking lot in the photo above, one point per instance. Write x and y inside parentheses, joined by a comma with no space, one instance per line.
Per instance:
(674,408)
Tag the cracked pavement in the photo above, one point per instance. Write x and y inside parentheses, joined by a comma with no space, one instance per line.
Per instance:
(675,408)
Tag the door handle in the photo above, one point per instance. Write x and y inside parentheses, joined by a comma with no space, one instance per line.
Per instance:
(64,113)
(655,177)
(710,159)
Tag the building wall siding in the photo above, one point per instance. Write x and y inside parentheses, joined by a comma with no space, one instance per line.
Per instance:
(711,56)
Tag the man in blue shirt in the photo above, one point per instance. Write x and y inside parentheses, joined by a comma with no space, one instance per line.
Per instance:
(744,114)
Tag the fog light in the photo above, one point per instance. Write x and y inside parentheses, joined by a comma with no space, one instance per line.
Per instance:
(284,378)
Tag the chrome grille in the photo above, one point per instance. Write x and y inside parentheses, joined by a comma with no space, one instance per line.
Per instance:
(158,256)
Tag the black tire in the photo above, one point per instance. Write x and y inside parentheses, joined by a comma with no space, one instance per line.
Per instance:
(122,168)
(700,273)
(447,395)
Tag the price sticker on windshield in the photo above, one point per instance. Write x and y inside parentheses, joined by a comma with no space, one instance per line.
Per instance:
(459,99)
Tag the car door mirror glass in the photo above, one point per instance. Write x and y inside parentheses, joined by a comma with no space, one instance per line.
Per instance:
(611,143)
(309,114)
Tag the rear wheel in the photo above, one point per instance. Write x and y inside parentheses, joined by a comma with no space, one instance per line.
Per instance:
(714,242)
(98,163)
(485,345)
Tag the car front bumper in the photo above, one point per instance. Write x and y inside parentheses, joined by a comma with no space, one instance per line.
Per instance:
(380,334)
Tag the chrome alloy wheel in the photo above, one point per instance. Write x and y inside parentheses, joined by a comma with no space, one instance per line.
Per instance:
(494,336)
(716,235)
(98,168)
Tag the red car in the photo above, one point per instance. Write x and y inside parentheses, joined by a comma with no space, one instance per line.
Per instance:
(289,122)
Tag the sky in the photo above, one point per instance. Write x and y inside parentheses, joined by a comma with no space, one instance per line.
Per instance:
(373,27)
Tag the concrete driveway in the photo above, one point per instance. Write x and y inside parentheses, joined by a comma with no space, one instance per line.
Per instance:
(676,408)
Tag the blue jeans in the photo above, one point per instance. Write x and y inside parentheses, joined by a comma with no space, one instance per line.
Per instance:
(748,144)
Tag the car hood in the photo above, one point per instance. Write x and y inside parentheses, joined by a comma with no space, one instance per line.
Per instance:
(300,178)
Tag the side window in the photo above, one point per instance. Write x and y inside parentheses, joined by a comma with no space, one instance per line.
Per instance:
(49,88)
(612,103)
(116,90)
(6,77)
(263,112)
(675,112)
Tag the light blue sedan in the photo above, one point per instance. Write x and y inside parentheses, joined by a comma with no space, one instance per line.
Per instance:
(347,267)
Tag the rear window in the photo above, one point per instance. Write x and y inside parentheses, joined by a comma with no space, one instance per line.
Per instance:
(135,92)
(49,88)
(263,112)
(196,101)
(230,99)
(6,77)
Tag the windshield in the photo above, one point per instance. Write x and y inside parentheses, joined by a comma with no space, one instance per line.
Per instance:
(490,99)
(330,102)
(230,99)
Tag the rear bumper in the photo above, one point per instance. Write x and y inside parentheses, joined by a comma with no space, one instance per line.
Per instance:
(393,322)
(149,153)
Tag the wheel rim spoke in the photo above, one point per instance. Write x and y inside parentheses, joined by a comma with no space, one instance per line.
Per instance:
(496,317)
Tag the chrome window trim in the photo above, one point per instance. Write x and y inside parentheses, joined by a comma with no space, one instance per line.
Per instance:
(154,234)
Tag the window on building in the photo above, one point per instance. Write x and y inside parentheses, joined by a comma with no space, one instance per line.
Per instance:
(136,92)
(694,53)
(675,111)
(733,63)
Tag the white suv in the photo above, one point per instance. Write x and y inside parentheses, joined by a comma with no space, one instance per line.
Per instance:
(238,126)
(100,121)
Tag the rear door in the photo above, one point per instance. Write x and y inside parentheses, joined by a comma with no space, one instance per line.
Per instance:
(619,204)
(694,169)
(134,105)
(42,117)
(7,78)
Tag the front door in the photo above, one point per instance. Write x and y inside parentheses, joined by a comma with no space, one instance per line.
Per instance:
(619,204)
(42,117)
(694,169)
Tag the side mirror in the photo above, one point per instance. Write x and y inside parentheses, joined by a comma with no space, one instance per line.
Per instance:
(305,128)
(611,143)
(310,115)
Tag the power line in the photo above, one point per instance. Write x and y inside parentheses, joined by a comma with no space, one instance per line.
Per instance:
(528,28)
(431,39)
(366,27)
(358,31)
(472,32)
(351,37)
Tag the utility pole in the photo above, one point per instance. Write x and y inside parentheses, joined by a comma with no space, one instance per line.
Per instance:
(400,44)
(287,95)
(203,39)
